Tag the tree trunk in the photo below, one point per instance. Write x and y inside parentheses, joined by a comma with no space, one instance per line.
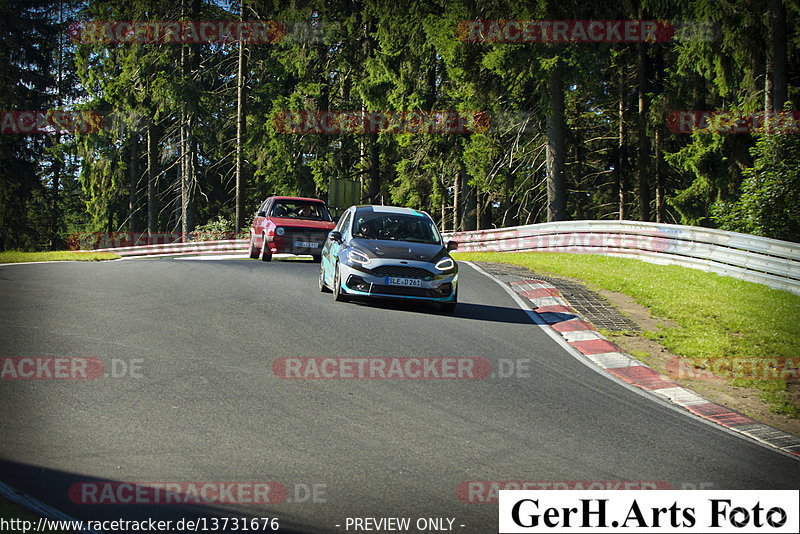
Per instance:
(470,203)
(642,151)
(456,202)
(133,182)
(660,208)
(152,176)
(181,170)
(478,209)
(187,183)
(768,92)
(374,168)
(191,172)
(556,180)
(55,241)
(508,205)
(368,47)
(240,131)
(780,86)
(578,174)
(620,168)
(187,177)
(487,214)
(463,198)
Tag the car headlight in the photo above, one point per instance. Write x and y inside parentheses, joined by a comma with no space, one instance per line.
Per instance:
(279,230)
(358,257)
(445,264)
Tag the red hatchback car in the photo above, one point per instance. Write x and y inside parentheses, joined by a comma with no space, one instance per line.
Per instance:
(290,225)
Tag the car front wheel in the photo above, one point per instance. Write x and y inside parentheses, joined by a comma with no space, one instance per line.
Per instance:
(448,307)
(253,250)
(338,294)
(266,255)
(322,287)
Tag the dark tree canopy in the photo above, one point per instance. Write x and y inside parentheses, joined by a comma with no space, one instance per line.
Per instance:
(559,126)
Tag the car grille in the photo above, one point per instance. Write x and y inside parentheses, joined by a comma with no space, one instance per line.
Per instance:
(401,271)
(292,235)
(404,291)
(442,291)
(305,234)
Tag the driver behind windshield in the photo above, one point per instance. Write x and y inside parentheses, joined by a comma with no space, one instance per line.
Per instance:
(410,230)
(307,212)
(365,231)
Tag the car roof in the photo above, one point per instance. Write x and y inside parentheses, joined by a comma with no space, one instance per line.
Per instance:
(390,209)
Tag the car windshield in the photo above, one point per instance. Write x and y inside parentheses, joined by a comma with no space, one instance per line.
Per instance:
(292,209)
(395,227)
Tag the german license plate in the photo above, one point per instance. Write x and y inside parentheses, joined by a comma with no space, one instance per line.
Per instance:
(406,282)
(306,244)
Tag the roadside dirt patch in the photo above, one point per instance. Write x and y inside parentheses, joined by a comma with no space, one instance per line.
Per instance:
(626,322)
(743,400)
(636,312)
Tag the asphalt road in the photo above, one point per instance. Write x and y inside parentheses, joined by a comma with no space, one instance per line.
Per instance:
(193,344)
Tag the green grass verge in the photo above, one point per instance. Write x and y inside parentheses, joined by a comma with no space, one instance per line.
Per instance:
(12,256)
(12,512)
(718,316)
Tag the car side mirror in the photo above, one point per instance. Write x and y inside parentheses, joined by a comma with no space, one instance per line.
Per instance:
(261,214)
(451,245)
(335,235)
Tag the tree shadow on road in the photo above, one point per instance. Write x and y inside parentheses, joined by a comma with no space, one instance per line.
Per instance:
(59,491)
(464,310)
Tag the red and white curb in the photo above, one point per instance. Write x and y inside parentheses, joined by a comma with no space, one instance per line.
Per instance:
(554,311)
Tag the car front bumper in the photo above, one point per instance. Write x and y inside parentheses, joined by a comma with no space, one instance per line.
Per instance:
(364,281)
(298,243)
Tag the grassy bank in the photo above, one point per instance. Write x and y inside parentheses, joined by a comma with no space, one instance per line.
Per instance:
(12,256)
(717,316)
(19,518)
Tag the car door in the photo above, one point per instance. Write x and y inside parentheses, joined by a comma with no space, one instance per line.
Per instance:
(260,221)
(331,249)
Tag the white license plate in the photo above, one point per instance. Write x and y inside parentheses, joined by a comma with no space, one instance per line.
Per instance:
(306,244)
(407,282)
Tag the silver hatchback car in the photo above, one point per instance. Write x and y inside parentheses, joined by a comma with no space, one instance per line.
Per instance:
(388,252)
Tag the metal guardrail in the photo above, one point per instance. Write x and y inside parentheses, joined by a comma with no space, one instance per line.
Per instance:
(190,247)
(771,262)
